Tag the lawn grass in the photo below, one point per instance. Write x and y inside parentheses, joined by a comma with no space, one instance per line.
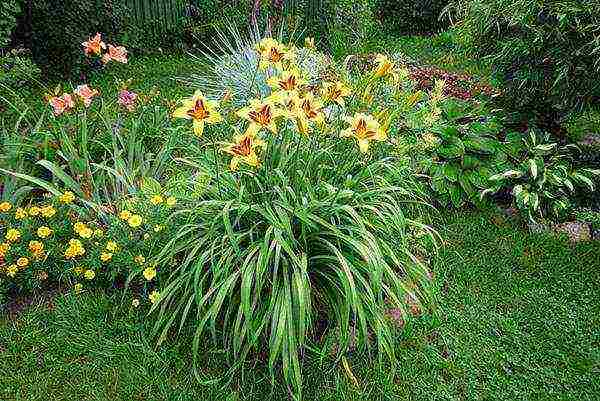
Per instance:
(518,317)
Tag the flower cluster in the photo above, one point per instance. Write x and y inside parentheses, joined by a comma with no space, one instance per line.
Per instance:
(67,101)
(95,47)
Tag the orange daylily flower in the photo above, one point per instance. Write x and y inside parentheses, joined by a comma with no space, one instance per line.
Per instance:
(116,53)
(86,94)
(61,104)
(94,45)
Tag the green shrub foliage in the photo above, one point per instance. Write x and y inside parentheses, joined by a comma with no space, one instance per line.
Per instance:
(545,51)
(411,17)
(9,9)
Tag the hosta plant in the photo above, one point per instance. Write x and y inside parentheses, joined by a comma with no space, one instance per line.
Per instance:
(544,181)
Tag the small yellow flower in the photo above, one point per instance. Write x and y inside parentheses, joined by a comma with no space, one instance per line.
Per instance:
(106,256)
(86,232)
(12,270)
(36,246)
(78,288)
(384,67)
(171,201)
(158,228)
(5,207)
(4,248)
(48,211)
(243,150)
(34,211)
(125,215)
(139,259)
(112,246)
(67,197)
(156,200)
(200,110)
(20,213)
(44,232)
(309,42)
(149,273)
(22,262)
(98,232)
(89,274)
(13,235)
(79,226)
(135,303)
(364,128)
(74,249)
(78,270)
(154,295)
(134,221)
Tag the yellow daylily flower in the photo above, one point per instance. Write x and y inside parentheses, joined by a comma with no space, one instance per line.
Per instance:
(364,128)
(335,92)
(261,114)
(200,110)
(244,150)
(311,108)
(287,81)
(273,53)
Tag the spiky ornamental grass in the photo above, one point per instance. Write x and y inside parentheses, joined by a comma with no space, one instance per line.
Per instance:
(317,231)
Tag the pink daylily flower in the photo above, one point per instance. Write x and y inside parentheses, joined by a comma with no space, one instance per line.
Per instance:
(86,94)
(116,53)
(94,45)
(127,99)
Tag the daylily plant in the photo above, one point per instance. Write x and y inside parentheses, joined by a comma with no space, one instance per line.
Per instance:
(364,128)
(243,150)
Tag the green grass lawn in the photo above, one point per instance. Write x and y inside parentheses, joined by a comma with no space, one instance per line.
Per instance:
(518,317)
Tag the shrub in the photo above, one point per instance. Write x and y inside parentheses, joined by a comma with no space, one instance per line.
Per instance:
(545,52)
(9,10)
(352,28)
(410,17)
(545,179)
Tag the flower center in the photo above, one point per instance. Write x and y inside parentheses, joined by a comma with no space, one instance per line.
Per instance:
(199,112)
(244,148)
(362,132)
(275,55)
(262,116)
(288,84)
(308,110)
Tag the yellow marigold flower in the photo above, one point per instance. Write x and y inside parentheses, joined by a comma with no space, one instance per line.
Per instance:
(89,274)
(156,199)
(200,110)
(287,81)
(67,197)
(86,233)
(134,221)
(139,259)
(36,246)
(149,273)
(106,256)
(34,211)
(125,215)
(20,213)
(78,288)
(244,150)
(171,201)
(78,270)
(135,303)
(13,235)
(74,249)
(154,295)
(364,128)
(78,226)
(112,246)
(4,247)
(335,92)
(5,206)
(261,114)
(44,232)
(22,262)
(12,270)
(273,53)
(48,211)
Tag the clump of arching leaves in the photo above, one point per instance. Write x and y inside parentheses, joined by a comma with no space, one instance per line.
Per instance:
(307,214)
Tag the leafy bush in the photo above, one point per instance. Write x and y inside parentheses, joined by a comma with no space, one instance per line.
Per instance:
(353,27)
(546,52)
(9,9)
(410,17)
(545,179)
